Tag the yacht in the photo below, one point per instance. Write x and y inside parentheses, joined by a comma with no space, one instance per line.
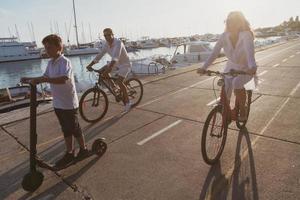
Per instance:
(13,50)
(194,52)
(147,43)
(82,49)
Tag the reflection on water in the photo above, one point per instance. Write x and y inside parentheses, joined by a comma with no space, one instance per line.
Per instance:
(11,72)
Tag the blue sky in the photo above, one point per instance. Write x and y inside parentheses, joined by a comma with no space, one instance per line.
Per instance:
(136,18)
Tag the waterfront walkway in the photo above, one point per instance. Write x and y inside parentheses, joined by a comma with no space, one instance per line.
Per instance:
(154,151)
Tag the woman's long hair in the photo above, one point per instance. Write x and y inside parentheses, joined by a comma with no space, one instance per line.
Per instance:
(236,23)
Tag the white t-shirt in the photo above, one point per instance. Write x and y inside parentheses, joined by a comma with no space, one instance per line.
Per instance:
(64,95)
(117,52)
(240,57)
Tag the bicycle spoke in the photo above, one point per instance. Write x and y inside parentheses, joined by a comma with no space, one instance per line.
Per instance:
(93,105)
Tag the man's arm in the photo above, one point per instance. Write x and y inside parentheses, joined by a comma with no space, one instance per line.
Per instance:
(97,58)
(115,56)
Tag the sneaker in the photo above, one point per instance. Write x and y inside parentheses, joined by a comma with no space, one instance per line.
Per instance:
(127,107)
(65,161)
(83,153)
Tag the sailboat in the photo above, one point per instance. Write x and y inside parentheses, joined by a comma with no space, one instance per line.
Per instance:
(79,49)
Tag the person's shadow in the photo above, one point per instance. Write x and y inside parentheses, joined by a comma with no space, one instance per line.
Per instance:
(240,184)
(10,181)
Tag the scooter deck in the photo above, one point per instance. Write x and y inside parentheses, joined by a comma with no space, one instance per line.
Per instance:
(52,167)
(98,148)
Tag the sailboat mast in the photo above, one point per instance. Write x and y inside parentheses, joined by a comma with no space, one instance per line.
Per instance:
(75,24)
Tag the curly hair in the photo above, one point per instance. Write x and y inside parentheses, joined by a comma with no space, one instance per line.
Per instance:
(54,40)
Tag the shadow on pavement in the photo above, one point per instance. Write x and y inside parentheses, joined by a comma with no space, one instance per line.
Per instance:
(241,184)
(10,181)
(55,190)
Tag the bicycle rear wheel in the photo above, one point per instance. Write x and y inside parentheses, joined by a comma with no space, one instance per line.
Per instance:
(135,91)
(93,105)
(239,124)
(214,136)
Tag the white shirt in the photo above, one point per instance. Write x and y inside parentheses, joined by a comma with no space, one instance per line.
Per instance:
(239,58)
(118,53)
(64,95)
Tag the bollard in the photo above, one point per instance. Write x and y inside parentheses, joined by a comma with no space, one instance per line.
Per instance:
(34,178)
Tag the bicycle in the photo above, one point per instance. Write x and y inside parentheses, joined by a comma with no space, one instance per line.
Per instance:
(217,121)
(95,98)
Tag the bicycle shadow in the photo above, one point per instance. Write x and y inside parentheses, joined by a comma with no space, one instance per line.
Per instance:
(244,183)
(241,184)
(213,180)
(11,179)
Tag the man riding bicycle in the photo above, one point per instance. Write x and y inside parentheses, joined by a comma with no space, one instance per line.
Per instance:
(120,63)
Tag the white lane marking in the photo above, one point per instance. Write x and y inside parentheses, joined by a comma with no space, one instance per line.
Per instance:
(262,73)
(292,56)
(159,132)
(261,133)
(295,89)
(276,65)
(277,52)
(175,92)
(284,60)
(213,101)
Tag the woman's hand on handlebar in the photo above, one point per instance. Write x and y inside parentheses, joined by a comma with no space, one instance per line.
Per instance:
(251,71)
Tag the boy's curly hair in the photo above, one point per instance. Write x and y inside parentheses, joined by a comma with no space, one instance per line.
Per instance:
(53,39)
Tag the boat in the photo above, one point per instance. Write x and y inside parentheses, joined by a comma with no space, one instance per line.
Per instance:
(194,52)
(165,42)
(81,49)
(147,43)
(155,64)
(13,50)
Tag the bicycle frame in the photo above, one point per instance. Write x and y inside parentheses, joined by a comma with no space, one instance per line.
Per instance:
(102,82)
(216,124)
(228,114)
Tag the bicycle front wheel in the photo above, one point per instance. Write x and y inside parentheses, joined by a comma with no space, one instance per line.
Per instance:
(135,91)
(93,105)
(214,136)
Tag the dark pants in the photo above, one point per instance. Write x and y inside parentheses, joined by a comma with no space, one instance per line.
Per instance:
(68,120)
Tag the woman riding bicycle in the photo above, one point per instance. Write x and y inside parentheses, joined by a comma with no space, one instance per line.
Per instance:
(238,44)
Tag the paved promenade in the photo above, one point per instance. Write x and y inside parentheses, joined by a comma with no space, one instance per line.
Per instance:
(154,151)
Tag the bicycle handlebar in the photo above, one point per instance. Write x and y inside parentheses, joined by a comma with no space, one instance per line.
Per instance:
(231,73)
(91,69)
